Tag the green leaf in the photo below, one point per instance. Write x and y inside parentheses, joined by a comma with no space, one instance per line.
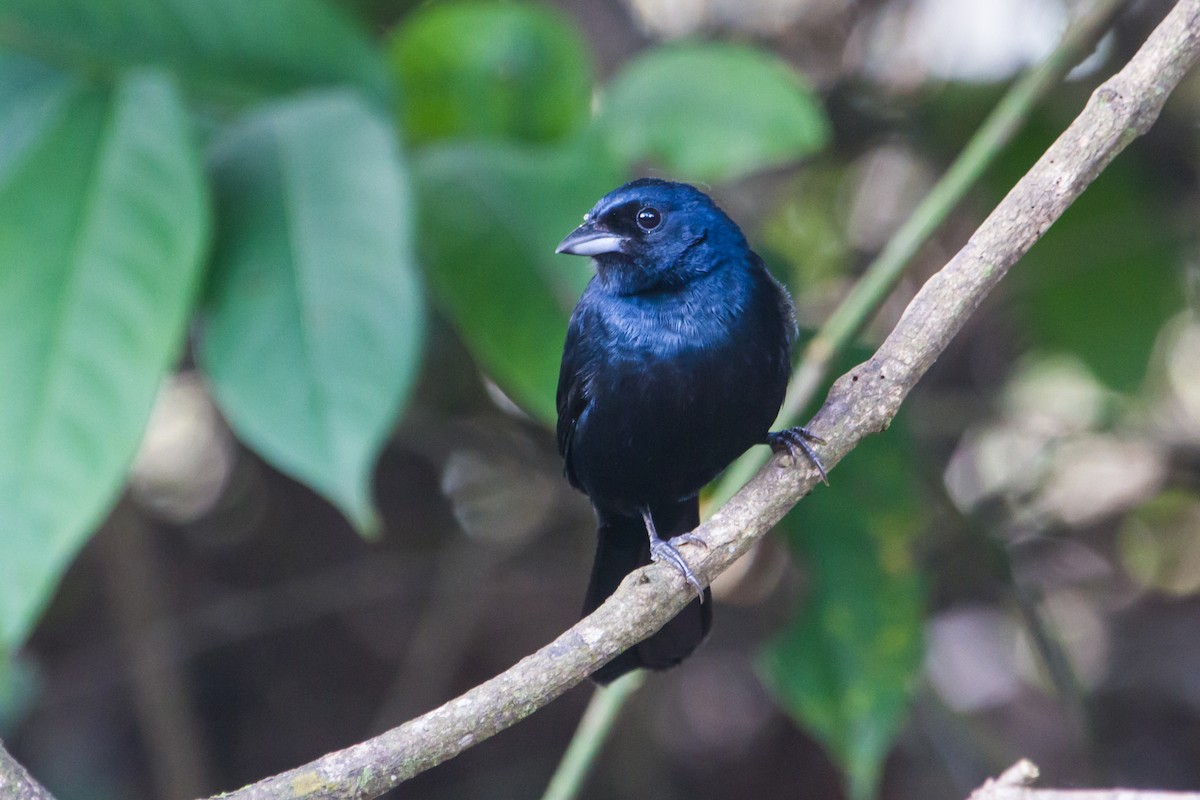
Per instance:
(845,666)
(101,242)
(32,96)
(226,46)
(479,69)
(312,332)
(491,215)
(712,112)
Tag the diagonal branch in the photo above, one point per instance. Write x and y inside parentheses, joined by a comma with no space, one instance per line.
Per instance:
(862,402)
(1014,784)
(16,783)
(884,272)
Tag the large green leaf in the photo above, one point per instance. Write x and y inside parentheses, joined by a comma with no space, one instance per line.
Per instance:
(711,112)
(312,334)
(101,241)
(223,45)
(507,70)
(491,214)
(845,666)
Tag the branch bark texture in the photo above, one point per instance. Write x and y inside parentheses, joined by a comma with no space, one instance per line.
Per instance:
(861,402)
(16,783)
(1014,784)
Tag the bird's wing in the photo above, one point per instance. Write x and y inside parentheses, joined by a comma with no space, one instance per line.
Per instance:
(787,309)
(572,398)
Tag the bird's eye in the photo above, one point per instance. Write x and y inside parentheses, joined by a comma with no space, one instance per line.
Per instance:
(649,218)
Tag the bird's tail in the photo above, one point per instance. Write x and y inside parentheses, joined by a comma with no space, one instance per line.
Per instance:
(622,546)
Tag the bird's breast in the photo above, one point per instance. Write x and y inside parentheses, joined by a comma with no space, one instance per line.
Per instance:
(661,328)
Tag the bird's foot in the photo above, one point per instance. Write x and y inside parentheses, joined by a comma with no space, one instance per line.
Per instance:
(790,440)
(690,538)
(663,550)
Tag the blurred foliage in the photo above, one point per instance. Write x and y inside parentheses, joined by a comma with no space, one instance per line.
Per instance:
(846,664)
(492,214)
(1160,542)
(807,232)
(18,689)
(226,48)
(709,112)
(268,186)
(1082,289)
(479,69)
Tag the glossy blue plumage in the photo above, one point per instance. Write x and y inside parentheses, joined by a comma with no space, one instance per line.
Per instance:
(676,361)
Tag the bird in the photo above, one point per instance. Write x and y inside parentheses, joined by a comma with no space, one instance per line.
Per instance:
(676,361)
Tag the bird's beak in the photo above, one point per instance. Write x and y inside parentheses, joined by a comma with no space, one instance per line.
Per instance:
(590,240)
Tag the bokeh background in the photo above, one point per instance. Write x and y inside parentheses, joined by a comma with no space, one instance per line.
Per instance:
(1011,571)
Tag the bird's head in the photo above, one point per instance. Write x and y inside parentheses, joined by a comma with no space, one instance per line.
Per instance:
(652,234)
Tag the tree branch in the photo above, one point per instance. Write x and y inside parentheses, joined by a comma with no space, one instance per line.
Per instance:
(883,273)
(1014,784)
(16,783)
(862,402)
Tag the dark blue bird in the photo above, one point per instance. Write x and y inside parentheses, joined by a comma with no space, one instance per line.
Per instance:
(676,361)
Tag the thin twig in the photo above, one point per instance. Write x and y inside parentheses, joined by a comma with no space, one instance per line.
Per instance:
(862,402)
(594,726)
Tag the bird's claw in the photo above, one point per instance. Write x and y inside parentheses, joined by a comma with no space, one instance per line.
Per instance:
(790,440)
(690,538)
(662,550)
